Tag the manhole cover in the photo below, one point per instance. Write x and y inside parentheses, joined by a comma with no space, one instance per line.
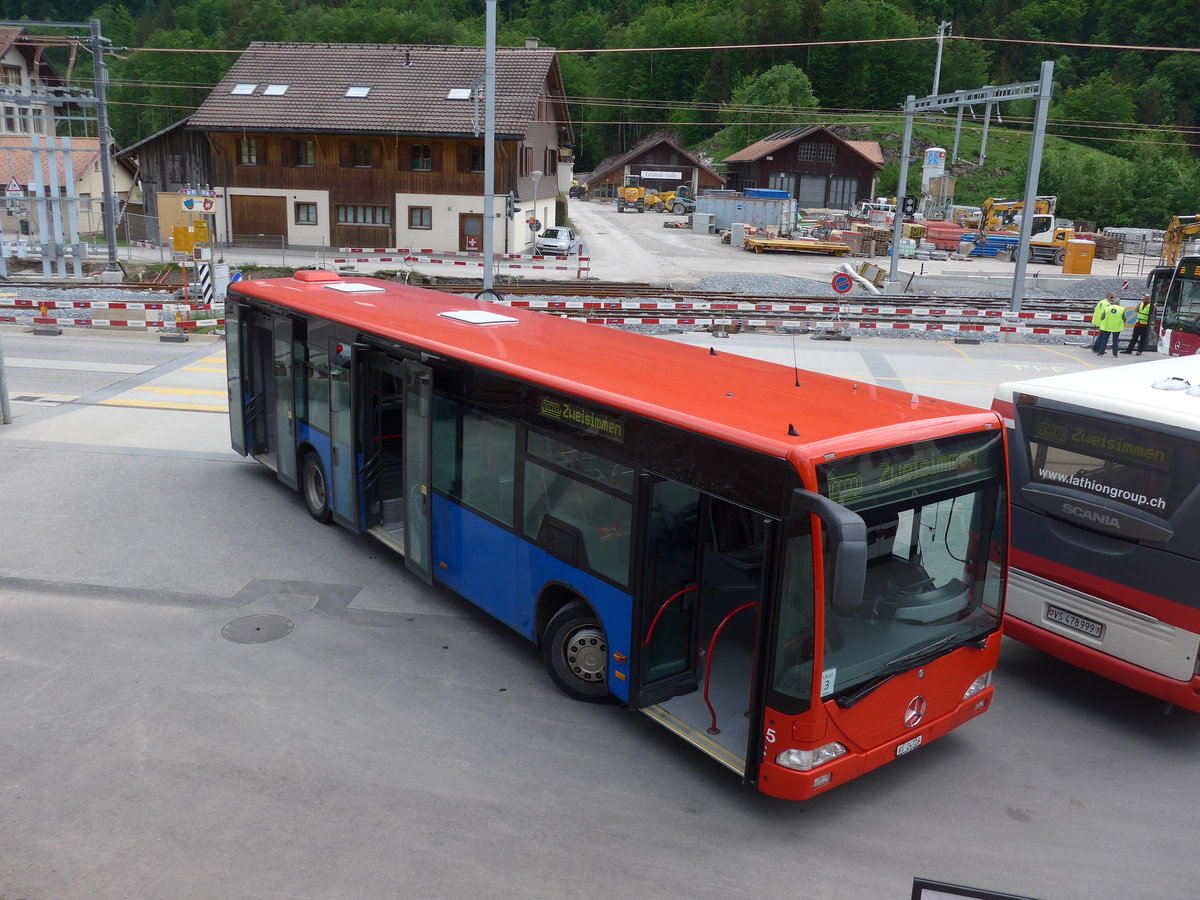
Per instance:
(257,629)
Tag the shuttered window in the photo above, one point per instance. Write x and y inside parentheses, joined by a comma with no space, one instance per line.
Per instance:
(348,214)
(360,154)
(252,152)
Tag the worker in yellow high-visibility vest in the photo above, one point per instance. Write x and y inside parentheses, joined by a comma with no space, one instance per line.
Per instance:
(1097,314)
(1112,323)
(1141,327)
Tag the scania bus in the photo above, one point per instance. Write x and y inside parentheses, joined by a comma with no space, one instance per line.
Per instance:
(1105,469)
(801,576)
(1175,291)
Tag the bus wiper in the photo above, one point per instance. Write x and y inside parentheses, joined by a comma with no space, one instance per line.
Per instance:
(889,671)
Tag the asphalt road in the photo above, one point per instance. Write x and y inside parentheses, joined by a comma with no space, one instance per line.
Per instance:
(398,744)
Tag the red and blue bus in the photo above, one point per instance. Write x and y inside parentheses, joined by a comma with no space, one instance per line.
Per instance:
(1105,481)
(800,575)
(1175,292)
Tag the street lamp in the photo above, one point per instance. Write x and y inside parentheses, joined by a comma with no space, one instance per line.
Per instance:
(536,175)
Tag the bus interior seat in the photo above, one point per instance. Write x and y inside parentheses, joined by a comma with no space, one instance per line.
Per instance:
(737,534)
(926,607)
(887,573)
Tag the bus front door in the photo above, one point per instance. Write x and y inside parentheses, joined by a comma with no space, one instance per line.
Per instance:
(701,617)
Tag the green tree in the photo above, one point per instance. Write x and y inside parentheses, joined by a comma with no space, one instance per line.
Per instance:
(869,76)
(1087,112)
(761,104)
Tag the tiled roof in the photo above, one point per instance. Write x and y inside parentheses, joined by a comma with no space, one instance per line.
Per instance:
(870,149)
(16,38)
(776,142)
(16,159)
(7,37)
(408,89)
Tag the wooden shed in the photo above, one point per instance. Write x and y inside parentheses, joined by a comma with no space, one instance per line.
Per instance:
(813,164)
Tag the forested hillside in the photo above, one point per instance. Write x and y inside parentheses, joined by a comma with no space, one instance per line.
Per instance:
(1138,107)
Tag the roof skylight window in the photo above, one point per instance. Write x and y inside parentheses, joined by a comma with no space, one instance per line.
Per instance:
(459,94)
(275,90)
(357,90)
(243,88)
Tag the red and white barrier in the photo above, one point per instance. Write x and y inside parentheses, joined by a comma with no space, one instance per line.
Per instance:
(474,260)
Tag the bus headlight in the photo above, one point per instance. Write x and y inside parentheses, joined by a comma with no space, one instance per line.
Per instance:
(803,760)
(978,685)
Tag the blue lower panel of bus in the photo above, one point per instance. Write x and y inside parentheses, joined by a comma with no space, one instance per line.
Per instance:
(306,434)
(503,574)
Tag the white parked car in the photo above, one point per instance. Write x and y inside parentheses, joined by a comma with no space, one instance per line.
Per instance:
(557,241)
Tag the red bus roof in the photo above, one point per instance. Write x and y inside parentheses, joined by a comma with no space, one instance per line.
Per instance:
(745,401)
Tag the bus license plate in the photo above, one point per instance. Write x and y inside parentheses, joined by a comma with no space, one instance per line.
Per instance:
(909,746)
(1078,623)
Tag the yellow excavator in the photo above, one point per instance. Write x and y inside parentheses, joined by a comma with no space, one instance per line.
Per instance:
(678,200)
(998,214)
(1047,240)
(1181,229)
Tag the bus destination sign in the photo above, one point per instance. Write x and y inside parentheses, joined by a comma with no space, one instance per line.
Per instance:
(590,420)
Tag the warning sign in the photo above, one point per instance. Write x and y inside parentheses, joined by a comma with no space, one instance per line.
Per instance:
(14,189)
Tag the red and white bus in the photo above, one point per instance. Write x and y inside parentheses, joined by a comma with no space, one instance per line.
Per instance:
(1175,291)
(800,575)
(1105,468)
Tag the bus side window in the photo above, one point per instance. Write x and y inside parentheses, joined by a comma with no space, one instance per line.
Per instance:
(602,519)
(475,458)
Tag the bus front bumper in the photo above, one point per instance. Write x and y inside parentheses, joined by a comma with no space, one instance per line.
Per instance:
(1185,694)
(789,784)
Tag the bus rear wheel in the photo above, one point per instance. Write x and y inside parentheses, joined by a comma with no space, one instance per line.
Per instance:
(313,487)
(575,652)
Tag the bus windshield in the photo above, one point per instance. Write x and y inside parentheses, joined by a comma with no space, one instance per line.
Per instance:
(1147,470)
(935,516)
(1182,310)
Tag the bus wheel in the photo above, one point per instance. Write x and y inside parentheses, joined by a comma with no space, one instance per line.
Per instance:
(312,486)
(575,652)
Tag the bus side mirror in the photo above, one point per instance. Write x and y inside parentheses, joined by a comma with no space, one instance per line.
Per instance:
(847,534)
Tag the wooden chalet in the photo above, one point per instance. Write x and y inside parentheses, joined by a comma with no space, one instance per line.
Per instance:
(380,145)
(816,166)
(167,162)
(662,165)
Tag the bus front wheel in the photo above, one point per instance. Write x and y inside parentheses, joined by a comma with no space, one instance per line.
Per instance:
(313,487)
(575,652)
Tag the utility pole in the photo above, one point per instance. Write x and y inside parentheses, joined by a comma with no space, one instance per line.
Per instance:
(100,69)
(943,29)
(1039,90)
(489,145)
(5,410)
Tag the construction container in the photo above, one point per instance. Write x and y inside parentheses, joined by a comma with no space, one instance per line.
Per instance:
(1079,258)
(757,211)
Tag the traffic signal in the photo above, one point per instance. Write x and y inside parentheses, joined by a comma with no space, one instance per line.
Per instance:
(511,208)
(910,204)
